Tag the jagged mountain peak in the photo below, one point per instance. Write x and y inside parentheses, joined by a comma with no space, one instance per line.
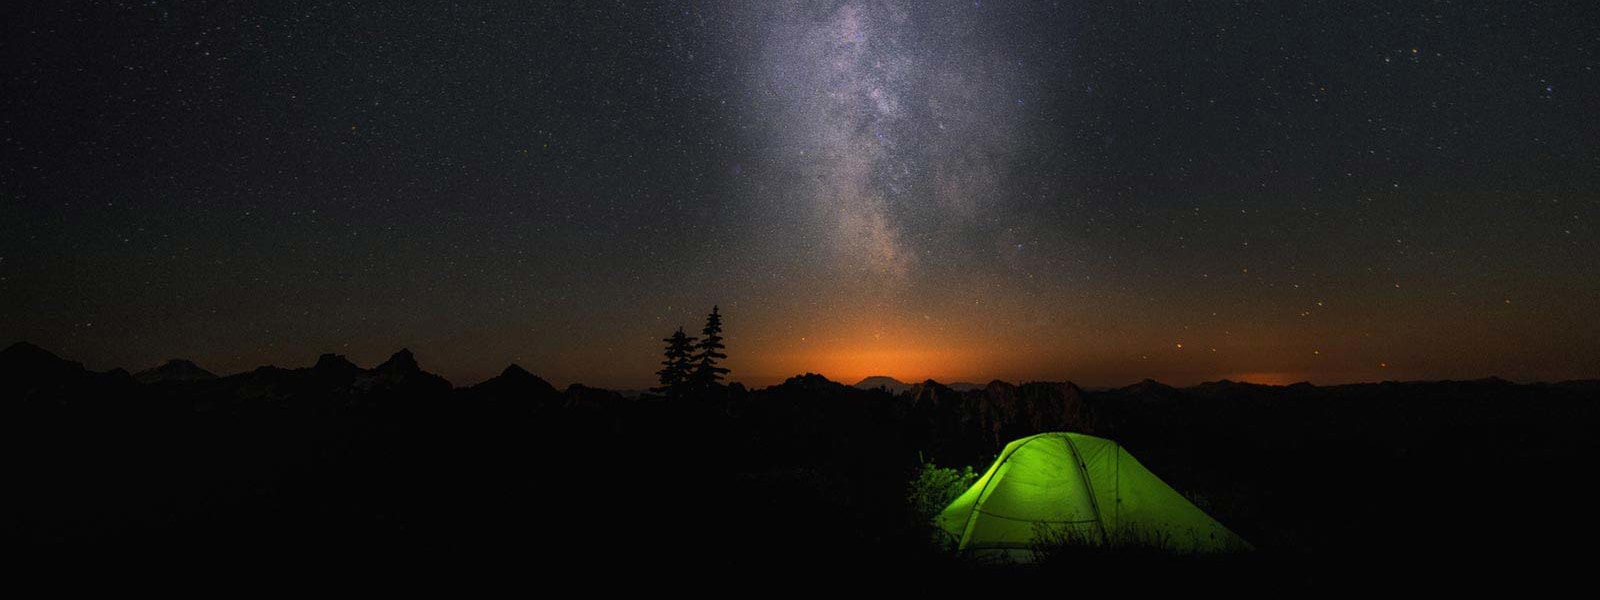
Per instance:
(330,362)
(403,362)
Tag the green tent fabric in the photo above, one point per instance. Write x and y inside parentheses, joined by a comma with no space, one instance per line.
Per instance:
(1081,486)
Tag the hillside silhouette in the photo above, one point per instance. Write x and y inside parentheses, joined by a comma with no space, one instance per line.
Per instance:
(392,461)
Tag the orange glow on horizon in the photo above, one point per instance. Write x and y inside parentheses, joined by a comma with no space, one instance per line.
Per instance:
(1265,378)
(850,364)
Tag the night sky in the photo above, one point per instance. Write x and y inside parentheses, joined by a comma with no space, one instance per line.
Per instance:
(1095,191)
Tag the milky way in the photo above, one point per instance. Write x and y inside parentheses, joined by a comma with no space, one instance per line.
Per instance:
(893,120)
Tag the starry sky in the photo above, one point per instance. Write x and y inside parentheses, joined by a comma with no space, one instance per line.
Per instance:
(1097,191)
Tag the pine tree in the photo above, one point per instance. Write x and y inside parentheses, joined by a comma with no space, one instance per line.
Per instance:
(706,372)
(678,366)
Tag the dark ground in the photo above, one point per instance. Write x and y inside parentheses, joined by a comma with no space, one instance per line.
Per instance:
(1435,483)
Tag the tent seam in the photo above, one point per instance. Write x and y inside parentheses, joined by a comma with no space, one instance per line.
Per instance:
(1088,486)
(972,515)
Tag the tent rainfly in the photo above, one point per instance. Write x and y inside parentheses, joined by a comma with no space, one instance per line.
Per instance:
(1076,486)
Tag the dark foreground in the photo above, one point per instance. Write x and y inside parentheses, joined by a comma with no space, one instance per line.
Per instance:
(1441,482)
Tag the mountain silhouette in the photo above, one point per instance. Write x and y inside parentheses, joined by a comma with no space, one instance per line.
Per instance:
(28,371)
(401,372)
(23,360)
(176,370)
(336,368)
(894,386)
(810,382)
(515,383)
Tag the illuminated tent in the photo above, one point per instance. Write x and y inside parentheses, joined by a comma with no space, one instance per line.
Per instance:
(1075,486)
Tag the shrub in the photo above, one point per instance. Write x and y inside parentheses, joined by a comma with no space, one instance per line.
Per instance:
(934,487)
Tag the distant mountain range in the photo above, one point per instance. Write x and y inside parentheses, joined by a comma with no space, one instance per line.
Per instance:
(895,386)
(25,361)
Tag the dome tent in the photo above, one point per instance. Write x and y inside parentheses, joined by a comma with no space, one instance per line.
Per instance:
(1079,486)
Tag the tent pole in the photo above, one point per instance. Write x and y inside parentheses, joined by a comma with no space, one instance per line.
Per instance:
(1083,471)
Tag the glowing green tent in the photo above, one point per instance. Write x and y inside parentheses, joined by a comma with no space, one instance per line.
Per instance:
(1077,486)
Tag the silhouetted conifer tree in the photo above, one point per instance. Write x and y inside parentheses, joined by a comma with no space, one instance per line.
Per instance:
(706,372)
(678,366)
